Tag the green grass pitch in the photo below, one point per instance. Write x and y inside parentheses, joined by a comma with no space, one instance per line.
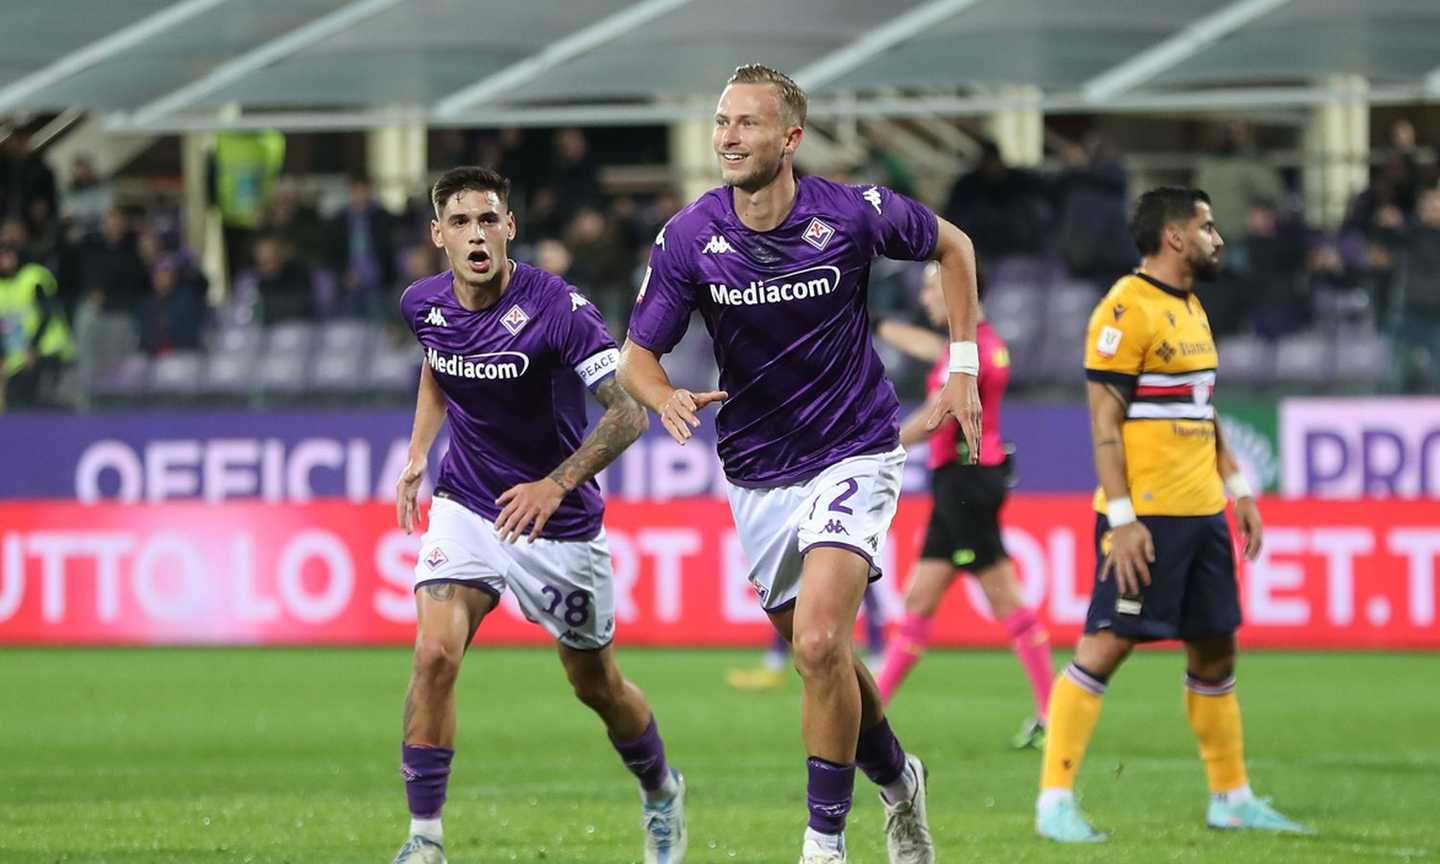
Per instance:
(270,755)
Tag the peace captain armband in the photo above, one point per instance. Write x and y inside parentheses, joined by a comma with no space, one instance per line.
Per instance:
(964,358)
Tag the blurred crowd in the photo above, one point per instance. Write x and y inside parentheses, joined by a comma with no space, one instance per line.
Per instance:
(86,275)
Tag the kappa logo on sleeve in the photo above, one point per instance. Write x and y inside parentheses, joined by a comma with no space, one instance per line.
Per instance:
(873,196)
(577,300)
(1109,342)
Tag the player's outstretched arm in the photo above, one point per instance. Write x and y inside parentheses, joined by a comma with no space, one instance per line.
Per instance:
(922,343)
(644,378)
(914,429)
(1247,512)
(960,397)
(429,414)
(1131,547)
(530,505)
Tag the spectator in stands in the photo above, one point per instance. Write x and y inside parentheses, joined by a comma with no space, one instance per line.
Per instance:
(1003,209)
(1278,298)
(362,252)
(552,257)
(24,177)
(282,285)
(573,174)
(35,343)
(1334,285)
(244,169)
(601,266)
(289,215)
(545,218)
(1235,176)
(1417,333)
(88,197)
(112,272)
(1093,236)
(171,317)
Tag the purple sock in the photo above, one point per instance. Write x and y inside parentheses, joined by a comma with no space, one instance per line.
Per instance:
(878,753)
(645,757)
(829,793)
(427,772)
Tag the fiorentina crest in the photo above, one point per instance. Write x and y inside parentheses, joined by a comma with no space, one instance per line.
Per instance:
(818,234)
(515,319)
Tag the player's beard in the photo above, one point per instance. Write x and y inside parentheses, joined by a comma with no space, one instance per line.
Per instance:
(1206,269)
(762,175)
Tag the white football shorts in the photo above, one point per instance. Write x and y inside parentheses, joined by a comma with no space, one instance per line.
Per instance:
(565,586)
(850,505)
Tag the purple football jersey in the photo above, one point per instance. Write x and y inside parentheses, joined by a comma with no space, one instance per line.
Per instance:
(514,377)
(786,309)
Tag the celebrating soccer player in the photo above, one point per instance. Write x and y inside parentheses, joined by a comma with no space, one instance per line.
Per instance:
(509,351)
(964,529)
(808,432)
(1165,567)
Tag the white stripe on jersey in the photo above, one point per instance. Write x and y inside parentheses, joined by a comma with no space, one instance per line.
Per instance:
(1170,411)
(1158,379)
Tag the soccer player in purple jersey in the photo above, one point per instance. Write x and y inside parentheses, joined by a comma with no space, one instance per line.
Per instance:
(509,352)
(808,432)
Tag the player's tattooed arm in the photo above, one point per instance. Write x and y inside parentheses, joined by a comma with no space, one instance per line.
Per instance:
(1108,405)
(622,423)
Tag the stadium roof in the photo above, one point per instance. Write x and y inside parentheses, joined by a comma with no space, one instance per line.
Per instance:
(168,65)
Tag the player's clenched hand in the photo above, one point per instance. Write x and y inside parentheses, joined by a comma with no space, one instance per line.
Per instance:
(1132,551)
(407,512)
(959,398)
(678,413)
(527,505)
(1247,519)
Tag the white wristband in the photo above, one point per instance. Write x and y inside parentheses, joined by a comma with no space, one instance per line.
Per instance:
(1238,487)
(964,358)
(1120,512)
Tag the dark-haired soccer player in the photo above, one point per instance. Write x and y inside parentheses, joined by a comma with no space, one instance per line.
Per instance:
(509,352)
(778,267)
(964,530)
(1165,567)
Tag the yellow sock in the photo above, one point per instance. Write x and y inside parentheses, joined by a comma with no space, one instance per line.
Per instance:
(1074,708)
(1214,714)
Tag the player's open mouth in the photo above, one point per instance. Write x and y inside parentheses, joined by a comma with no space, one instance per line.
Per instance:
(479,260)
(733,158)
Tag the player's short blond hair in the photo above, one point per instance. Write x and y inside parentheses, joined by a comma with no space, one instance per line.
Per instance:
(793,101)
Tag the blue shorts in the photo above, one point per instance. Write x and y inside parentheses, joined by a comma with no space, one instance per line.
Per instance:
(1192,593)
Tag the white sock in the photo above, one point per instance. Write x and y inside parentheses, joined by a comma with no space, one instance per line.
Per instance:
(828,842)
(429,829)
(667,790)
(1051,797)
(1234,796)
(903,789)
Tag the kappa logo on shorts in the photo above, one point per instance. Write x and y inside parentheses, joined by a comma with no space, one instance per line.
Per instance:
(874,541)
(834,527)
(573,636)
(436,559)
(1127,605)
